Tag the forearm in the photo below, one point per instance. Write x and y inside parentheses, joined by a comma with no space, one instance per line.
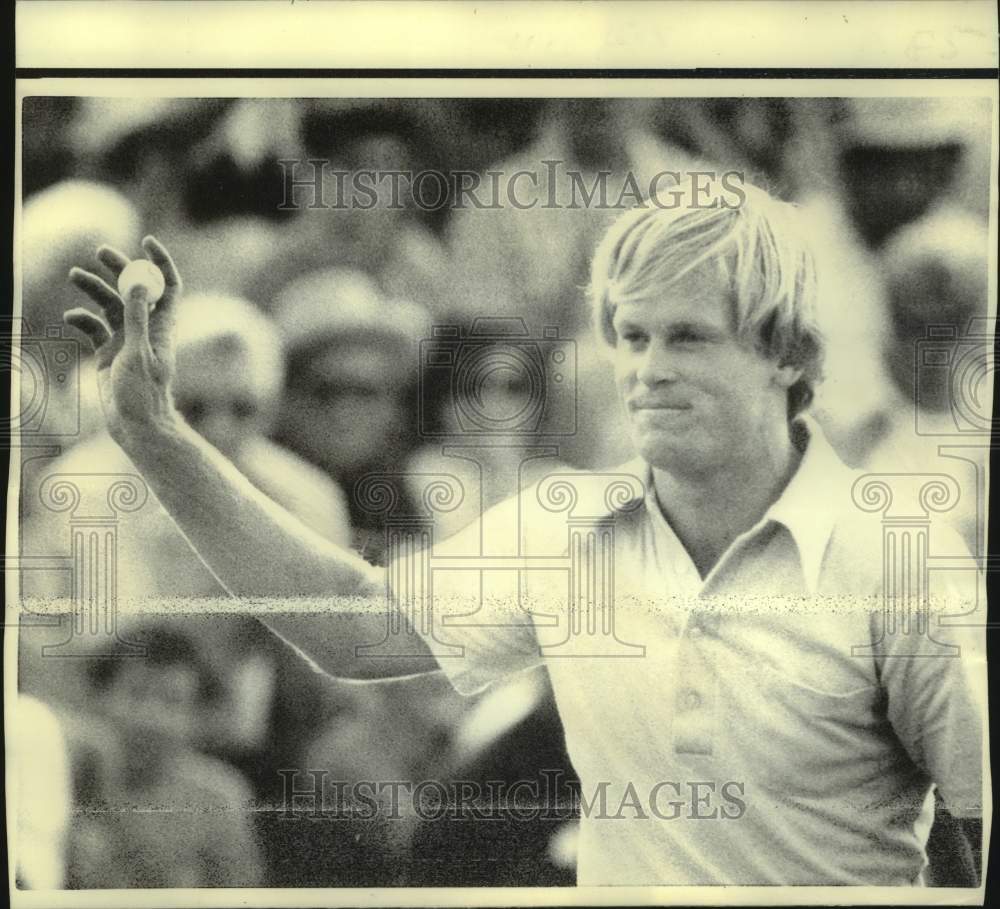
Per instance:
(253,546)
(324,601)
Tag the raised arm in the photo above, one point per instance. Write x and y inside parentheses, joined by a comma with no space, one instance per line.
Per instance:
(256,549)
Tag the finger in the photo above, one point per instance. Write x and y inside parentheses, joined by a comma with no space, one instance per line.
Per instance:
(137,321)
(87,323)
(114,260)
(101,293)
(159,256)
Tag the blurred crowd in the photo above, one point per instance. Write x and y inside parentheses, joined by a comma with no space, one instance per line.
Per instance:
(299,357)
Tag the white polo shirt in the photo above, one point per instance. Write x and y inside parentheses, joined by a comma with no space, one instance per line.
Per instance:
(757,727)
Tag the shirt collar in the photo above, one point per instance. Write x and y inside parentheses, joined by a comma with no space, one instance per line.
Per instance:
(809,504)
(807,507)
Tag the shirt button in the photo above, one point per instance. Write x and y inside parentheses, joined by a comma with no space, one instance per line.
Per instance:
(692,700)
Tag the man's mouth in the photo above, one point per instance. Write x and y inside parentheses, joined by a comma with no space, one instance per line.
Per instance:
(643,404)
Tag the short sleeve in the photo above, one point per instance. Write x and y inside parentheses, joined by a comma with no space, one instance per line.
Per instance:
(477,626)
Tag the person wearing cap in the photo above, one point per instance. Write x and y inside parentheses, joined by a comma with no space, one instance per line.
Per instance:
(352,358)
(351,213)
(749,716)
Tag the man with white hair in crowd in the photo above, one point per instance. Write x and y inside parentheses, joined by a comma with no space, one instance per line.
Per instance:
(937,355)
(731,735)
(60,225)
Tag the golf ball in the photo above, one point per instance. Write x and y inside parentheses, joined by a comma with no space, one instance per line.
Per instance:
(141,273)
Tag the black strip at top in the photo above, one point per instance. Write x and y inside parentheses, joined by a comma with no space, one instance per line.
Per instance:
(507,73)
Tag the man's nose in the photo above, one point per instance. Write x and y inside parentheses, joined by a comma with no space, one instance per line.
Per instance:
(657,366)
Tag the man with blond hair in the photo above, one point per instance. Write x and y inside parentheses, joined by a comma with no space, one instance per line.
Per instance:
(725,731)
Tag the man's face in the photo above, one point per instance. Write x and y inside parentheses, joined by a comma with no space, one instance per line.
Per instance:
(157,703)
(696,397)
(344,411)
(213,392)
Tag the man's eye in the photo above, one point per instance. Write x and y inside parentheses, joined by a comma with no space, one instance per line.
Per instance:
(633,338)
(688,337)
(331,392)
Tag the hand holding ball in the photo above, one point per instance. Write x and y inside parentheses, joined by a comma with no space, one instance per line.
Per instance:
(141,273)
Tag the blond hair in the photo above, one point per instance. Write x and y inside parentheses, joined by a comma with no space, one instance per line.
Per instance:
(762,252)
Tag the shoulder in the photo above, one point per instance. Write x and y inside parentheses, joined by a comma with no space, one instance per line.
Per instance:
(544,509)
(882,518)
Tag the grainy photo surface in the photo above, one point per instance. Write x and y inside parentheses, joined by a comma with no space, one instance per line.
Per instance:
(537,490)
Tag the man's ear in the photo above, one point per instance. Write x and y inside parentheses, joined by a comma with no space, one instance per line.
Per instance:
(786,376)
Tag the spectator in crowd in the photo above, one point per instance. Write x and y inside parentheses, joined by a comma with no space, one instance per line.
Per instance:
(146,148)
(396,731)
(895,163)
(352,361)
(168,815)
(900,160)
(60,225)
(234,193)
(936,355)
(377,229)
(481,416)
(530,262)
